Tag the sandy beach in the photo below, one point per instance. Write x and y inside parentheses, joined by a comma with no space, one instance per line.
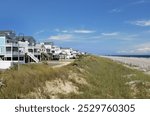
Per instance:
(142,64)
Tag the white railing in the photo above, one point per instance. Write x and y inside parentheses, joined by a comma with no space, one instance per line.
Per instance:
(33,57)
(12,44)
(14,53)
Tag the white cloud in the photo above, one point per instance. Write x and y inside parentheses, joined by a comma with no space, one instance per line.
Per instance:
(83,31)
(139,2)
(144,45)
(144,50)
(57,30)
(143,23)
(65,31)
(110,34)
(61,31)
(115,10)
(39,32)
(78,31)
(137,49)
(117,36)
(61,37)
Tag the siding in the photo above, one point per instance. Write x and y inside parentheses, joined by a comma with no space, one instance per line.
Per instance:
(2,45)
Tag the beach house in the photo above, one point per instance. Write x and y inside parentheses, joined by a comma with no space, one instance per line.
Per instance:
(17,49)
(31,50)
(9,50)
(46,52)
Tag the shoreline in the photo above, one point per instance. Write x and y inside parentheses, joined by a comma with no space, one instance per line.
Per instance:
(142,64)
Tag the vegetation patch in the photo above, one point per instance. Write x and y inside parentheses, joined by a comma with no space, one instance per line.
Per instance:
(87,77)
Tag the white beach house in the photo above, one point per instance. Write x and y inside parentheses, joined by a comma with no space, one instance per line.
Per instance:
(17,49)
(9,50)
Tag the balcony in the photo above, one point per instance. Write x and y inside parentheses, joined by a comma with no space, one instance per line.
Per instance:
(14,53)
(11,45)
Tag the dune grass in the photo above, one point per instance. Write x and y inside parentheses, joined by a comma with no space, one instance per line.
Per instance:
(27,78)
(105,78)
(108,79)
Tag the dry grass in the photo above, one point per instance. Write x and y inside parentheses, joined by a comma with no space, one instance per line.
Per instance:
(27,78)
(89,77)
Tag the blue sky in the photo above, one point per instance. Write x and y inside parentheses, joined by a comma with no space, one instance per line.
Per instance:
(94,26)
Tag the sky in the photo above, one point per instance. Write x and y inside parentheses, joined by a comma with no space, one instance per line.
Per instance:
(95,26)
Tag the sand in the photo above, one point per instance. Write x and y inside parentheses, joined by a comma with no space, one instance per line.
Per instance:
(142,64)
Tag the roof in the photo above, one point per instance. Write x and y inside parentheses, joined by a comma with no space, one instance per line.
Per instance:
(48,43)
(9,33)
(65,48)
(6,31)
(30,39)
